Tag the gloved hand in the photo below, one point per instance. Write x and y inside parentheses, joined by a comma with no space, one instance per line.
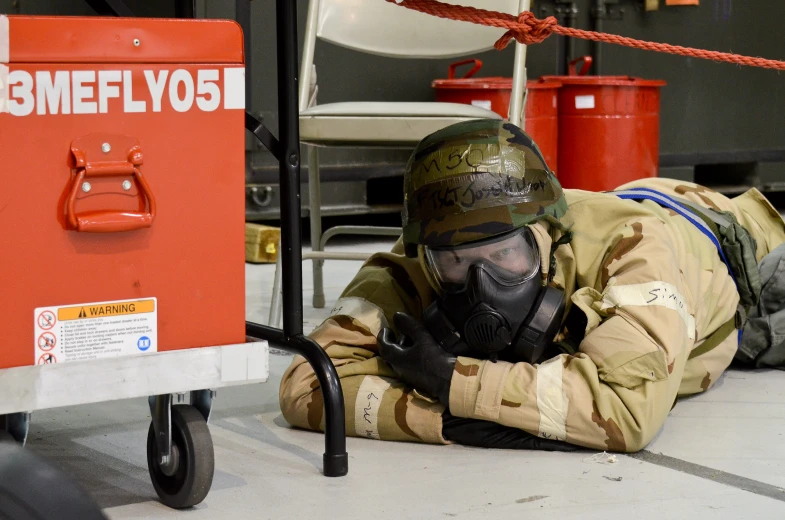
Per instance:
(486,434)
(417,358)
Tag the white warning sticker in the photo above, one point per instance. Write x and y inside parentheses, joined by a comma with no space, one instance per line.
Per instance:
(584,102)
(95,330)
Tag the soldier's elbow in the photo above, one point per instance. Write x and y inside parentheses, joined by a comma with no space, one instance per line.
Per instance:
(627,432)
(637,443)
(640,436)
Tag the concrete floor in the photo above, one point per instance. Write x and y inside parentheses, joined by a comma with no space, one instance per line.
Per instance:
(720,455)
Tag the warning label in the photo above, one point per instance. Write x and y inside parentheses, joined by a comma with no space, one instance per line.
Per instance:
(95,330)
(102,310)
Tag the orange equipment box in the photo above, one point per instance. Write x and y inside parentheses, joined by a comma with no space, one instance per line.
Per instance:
(122,198)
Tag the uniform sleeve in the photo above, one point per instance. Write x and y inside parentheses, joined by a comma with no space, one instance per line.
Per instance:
(377,404)
(616,391)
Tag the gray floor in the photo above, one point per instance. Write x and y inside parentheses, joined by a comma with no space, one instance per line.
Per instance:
(720,455)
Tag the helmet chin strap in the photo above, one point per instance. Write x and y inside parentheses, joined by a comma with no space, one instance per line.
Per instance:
(564,239)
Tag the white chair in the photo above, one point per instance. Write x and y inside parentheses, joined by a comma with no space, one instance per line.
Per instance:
(385,29)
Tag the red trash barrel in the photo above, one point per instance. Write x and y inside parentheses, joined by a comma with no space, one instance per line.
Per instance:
(542,119)
(609,129)
(493,93)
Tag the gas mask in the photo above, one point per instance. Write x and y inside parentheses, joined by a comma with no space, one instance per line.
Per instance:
(493,303)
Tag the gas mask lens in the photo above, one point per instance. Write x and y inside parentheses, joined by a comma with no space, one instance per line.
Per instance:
(510,259)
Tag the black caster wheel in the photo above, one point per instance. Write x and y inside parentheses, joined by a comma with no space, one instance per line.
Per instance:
(194,460)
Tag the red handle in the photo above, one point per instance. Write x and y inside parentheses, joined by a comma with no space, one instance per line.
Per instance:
(587,62)
(472,72)
(110,221)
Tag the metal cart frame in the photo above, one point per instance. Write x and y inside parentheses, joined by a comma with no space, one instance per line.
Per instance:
(179,432)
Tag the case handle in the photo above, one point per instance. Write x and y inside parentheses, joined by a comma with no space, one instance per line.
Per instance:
(110,221)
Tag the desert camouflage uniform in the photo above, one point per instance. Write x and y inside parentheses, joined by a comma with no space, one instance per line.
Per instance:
(652,288)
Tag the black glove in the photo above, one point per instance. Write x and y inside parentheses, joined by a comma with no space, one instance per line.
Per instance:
(486,434)
(417,358)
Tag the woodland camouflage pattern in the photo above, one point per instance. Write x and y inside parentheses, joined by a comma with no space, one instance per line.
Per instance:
(652,288)
(470,181)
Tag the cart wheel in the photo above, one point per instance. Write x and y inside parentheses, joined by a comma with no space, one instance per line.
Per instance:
(192,449)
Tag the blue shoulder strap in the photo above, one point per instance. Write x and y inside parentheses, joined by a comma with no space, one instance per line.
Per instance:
(669,202)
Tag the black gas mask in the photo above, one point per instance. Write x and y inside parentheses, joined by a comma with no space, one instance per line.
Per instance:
(493,303)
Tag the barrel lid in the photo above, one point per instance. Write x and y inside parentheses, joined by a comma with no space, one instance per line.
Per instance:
(579,76)
(607,81)
(493,82)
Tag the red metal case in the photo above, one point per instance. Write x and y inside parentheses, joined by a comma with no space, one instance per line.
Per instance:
(122,145)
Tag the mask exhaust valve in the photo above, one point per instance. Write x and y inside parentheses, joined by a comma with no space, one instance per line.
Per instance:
(487,330)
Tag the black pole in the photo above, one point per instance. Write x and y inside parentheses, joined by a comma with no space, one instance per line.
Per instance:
(336,460)
(289,138)
(599,13)
(561,49)
(570,16)
(566,12)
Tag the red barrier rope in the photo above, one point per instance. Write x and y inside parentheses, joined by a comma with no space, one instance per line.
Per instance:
(528,30)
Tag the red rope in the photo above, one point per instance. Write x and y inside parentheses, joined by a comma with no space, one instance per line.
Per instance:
(528,30)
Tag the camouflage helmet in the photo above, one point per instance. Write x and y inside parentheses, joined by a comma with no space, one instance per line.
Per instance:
(473,180)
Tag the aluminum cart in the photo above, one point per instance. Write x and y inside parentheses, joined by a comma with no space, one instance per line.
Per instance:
(123,215)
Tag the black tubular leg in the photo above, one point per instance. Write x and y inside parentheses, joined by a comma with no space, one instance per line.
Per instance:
(289,163)
(291,338)
(335,457)
(336,460)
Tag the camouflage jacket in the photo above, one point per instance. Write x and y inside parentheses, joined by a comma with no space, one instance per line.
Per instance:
(652,288)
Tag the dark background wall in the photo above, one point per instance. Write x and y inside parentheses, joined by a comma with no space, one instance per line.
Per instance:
(706,107)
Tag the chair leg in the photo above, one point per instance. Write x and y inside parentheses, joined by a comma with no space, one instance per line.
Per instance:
(274,320)
(315,213)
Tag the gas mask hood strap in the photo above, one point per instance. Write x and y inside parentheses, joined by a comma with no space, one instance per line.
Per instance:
(538,332)
(564,239)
